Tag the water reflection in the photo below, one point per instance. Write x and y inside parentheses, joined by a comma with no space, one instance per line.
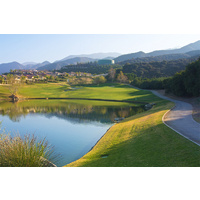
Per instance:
(73,127)
(73,111)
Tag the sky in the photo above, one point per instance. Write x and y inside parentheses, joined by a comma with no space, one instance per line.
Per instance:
(51,47)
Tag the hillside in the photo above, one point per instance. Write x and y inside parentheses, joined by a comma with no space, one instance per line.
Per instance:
(6,67)
(190,47)
(130,56)
(160,58)
(156,69)
(184,83)
(93,56)
(31,65)
(59,65)
(92,68)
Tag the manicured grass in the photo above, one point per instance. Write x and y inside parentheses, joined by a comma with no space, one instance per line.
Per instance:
(4,92)
(142,141)
(104,91)
(4,105)
(44,90)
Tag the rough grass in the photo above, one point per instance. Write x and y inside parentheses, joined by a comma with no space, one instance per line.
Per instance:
(25,152)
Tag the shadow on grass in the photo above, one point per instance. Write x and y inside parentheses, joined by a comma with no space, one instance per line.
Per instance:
(4,95)
(116,85)
(157,147)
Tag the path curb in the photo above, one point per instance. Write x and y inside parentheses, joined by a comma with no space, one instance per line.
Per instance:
(174,129)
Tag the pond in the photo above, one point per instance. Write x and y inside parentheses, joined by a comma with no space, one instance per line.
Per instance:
(72,127)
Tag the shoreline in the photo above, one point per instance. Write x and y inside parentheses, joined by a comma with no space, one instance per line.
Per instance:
(55,98)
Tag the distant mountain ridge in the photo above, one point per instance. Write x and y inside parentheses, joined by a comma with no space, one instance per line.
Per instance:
(93,56)
(74,59)
(166,57)
(6,67)
(60,64)
(190,47)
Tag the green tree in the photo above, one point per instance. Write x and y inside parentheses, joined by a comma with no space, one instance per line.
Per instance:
(99,79)
(192,79)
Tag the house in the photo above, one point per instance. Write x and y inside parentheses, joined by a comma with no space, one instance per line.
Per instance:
(29,77)
(3,79)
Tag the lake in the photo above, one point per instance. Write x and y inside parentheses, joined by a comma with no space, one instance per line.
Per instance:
(72,126)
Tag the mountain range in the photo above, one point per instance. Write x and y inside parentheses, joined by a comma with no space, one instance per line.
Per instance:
(166,57)
(46,65)
(94,56)
(192,49)
(59,64)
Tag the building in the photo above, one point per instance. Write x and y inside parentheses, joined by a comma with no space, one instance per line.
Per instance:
(106,62)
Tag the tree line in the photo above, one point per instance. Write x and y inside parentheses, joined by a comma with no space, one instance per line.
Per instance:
(157,69)
(92,68)
(185,83)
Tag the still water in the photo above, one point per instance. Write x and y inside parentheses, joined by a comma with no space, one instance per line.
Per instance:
(72,127)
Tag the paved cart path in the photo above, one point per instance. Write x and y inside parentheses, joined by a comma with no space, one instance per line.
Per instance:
(180,119)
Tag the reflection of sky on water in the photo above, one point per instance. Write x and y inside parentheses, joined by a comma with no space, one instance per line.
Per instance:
(71,140)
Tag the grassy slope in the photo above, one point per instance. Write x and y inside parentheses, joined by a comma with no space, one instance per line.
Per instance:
(142,140)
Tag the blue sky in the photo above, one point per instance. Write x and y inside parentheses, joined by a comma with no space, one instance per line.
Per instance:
(51,47)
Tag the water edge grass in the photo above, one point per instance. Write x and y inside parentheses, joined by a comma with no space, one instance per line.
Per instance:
(25,151)
(142,141)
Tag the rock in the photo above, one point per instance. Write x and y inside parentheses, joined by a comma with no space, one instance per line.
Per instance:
(14,98)
(47,163)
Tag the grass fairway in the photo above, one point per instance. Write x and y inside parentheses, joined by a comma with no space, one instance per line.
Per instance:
(4,92)
(61,90)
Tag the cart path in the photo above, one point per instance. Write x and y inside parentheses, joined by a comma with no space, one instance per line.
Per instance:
(180,119)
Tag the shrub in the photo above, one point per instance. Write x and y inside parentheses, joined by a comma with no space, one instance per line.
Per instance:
(25,152)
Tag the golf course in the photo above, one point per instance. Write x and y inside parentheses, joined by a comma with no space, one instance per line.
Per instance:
(141,140)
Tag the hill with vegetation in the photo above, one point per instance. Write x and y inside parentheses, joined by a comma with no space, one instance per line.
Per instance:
(93,56)
(6,67)
(60,64)
(185,83)
(90,67)
(190,47)
(160,58)
(156,69)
